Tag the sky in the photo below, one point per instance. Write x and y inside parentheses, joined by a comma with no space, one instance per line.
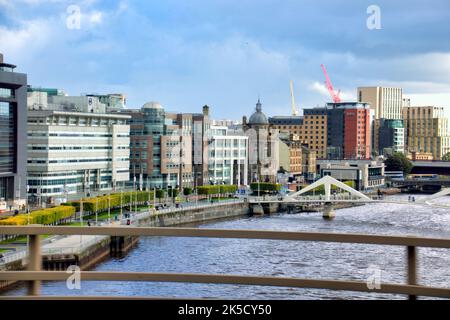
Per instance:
(227,53)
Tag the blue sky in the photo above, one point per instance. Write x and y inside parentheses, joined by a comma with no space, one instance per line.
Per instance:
(226,53)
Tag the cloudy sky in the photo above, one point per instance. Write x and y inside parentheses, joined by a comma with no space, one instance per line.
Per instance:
(226,53)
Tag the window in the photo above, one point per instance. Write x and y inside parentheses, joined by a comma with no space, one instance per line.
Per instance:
(7,139)
(6,93)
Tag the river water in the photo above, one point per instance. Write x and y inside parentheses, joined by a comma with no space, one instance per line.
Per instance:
(318,260)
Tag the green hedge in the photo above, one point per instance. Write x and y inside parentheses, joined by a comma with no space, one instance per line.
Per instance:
(228,189)
(265,187)
(216,189)
(208,190)
(100,203)
(43,216)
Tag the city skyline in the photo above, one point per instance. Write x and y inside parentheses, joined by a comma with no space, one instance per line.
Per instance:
(226,54)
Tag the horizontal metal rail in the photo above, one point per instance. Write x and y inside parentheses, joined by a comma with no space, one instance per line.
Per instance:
(227,233)
(34,275)
(227,279)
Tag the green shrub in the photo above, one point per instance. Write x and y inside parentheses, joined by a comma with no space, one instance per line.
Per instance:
(160,193)
(99,204)
(265,187)
(228,189)
(208,190)
(43,216)
(187,191)
(173,193)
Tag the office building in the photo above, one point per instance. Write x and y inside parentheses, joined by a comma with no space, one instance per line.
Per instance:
(392,137)
(13,122)
(427,130)
(228,160)
(387,103)
(338,130)
(74,147)
(168,149)
(365,174)
(287,124)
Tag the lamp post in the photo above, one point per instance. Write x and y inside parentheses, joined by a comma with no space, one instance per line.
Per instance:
(148,190)
(96,210)
(109,208)
(121,205)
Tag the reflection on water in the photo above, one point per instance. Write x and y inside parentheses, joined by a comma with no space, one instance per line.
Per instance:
(282,258)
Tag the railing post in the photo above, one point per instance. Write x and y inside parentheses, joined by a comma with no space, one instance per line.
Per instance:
(34,263)
(412,268)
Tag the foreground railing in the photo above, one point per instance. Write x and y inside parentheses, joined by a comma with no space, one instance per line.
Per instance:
(34,274)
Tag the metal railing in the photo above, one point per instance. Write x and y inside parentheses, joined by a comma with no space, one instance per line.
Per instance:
(34,274)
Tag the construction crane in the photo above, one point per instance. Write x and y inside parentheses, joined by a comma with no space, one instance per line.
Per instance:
(294,108)
(334,95)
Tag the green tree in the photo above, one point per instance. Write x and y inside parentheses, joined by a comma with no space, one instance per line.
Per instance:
(446,157)
(187,191)
(398,162)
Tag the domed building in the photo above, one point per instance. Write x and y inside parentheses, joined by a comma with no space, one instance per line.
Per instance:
(263,147)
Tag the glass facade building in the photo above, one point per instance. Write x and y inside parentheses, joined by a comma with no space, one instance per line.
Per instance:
(13,115)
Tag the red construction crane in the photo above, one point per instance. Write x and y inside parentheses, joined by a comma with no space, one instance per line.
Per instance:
(334,95)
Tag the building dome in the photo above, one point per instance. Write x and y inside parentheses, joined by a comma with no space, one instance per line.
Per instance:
(258,117)
(152,105)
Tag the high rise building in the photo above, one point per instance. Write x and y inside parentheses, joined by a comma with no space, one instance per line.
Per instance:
(387,103)
(339,130)
(75,146)
(391,136)
(13,122)
(315,131)
(287,124)
(427,130)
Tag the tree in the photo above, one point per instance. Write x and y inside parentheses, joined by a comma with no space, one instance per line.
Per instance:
(398,162)
(187,191)
(446,157)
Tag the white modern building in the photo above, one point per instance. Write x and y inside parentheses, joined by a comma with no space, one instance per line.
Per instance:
(75,147)
(228,156)
(366,174)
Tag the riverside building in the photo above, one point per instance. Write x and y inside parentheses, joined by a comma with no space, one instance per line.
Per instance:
(13,117)
(75,146)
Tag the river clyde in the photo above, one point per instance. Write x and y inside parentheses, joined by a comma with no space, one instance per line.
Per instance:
(318,260)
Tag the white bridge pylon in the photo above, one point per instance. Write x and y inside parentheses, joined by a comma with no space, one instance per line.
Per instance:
(440,194)
(327,182)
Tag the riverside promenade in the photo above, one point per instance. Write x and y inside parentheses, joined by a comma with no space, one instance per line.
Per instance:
(73,247)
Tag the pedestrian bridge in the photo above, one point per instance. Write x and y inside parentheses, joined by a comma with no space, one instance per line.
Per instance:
(349,196)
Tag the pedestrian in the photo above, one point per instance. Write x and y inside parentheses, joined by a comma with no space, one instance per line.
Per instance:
(16,212)
(89,223)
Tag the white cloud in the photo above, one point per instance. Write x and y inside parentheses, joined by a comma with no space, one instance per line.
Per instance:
(23,41)
(323,91)
(96,17)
